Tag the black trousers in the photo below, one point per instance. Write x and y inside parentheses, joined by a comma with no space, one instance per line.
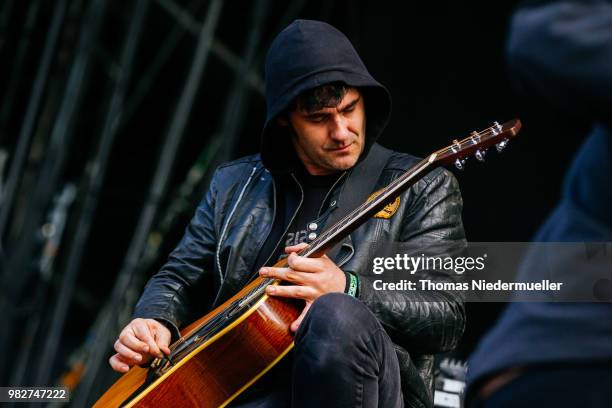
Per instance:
(342,358)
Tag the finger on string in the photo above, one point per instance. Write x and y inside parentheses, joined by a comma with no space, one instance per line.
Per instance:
(287,275)
(162,338)
(295,292)
(295,248)
(303,264)
(143,333)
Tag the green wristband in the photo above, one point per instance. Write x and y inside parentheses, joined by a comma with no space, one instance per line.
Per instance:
(352,284)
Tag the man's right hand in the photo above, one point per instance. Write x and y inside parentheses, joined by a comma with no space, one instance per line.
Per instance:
(139,341)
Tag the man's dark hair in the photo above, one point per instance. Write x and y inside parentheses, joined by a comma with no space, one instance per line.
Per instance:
(323,96)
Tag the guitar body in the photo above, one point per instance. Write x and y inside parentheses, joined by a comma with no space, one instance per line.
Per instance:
(219,369)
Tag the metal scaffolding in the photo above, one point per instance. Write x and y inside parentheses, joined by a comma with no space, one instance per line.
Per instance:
(48,209)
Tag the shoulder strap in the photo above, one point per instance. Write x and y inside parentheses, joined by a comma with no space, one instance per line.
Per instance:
(358,186)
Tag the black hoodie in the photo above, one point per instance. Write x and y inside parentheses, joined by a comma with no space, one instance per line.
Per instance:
(303,56)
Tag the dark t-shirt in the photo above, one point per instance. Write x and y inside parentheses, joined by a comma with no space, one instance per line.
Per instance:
(315,189)
(315,192)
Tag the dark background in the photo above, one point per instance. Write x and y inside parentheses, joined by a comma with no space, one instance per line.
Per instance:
(443,62)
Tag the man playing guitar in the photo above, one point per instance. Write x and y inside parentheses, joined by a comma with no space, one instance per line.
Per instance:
(354,345)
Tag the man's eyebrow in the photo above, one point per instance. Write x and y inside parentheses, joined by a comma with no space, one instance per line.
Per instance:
(352,103)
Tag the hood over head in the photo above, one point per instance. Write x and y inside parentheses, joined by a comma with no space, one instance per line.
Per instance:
(303,56)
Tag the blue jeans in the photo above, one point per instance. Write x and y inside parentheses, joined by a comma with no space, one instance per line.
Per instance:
(342,358)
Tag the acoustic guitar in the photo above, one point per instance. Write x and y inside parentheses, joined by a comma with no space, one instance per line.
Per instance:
(220,355)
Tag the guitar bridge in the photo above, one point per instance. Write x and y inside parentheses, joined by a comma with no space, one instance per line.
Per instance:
(161,365)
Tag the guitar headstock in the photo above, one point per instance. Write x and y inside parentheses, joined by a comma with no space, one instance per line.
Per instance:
(478,143)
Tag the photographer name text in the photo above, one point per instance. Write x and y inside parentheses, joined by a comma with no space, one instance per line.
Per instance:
(474,285)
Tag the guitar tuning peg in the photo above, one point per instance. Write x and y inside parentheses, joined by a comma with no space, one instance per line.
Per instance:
(460,164)
(480,155)
(496,128)
(502,145)
(475,137)
(456,146)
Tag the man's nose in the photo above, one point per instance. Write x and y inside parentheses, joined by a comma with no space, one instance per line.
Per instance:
(339,131)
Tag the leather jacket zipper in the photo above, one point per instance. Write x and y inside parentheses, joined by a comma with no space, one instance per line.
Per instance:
(274,205)
(290,221)
(225,226)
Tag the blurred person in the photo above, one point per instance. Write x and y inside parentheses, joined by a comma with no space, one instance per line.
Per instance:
(559,354)
(354,346)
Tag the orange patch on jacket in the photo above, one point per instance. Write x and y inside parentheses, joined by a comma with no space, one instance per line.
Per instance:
(389,209)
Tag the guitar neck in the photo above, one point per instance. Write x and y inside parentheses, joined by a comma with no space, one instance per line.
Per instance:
(361,214)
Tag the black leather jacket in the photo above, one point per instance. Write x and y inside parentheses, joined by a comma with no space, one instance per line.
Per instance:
(216,258)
